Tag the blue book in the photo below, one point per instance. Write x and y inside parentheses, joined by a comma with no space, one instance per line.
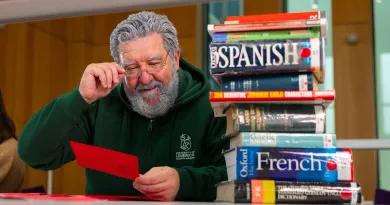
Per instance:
(290,164)
(287,81)
(285,140)
(268,56)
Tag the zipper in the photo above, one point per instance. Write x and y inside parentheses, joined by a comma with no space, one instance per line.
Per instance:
(150,128)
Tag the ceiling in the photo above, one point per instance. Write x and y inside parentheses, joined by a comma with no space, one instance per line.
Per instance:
(13,11)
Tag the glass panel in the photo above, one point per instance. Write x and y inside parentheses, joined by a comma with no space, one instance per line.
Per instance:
(325,5)
(382,61)
(214,11)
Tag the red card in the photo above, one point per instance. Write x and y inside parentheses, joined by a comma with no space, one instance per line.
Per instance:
(65,197)
(105,160)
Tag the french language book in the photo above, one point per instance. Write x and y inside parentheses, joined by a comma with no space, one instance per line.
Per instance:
(290,164)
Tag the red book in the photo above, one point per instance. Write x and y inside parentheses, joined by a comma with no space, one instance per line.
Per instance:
(308,15)
(264,25)
(220,101)
(106,160)
(277,21)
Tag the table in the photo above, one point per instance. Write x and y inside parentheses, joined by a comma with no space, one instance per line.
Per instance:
(48,202)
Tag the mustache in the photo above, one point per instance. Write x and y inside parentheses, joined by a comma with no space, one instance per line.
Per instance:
(151,85)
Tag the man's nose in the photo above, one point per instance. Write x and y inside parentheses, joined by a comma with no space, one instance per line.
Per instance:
(145,77)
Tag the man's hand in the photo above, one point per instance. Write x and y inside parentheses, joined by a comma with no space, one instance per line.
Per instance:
(161,183)
(99,80)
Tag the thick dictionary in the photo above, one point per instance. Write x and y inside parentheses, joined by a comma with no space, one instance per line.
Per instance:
(292,140)
(277,21)
(288,81)
(235,37)
(291,118)
(290,164)
(221,101)
(289,192)
(268,56)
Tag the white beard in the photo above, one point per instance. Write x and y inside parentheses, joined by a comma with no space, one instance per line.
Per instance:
(166,100)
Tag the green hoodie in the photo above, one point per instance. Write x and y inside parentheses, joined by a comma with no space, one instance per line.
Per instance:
(111,123)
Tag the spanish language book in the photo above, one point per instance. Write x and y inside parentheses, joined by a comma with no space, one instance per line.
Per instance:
(268,56)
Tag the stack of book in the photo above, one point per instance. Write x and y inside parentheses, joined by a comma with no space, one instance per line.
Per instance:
(269,68)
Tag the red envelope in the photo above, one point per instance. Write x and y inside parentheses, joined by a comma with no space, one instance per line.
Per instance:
(106,160)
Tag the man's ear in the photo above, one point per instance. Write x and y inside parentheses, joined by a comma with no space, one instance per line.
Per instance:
(177,58)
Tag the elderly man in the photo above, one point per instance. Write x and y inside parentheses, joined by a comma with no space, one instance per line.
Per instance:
(149,103)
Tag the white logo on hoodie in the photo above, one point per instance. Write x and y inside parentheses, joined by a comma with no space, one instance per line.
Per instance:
(185,145)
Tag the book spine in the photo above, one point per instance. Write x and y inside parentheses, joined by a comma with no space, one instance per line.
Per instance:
(290,16)
(268,25)
(294,164)
(285,140)
(285,192)
(293,118)
(268,56)
(237,37)
(294,81)
(244,96)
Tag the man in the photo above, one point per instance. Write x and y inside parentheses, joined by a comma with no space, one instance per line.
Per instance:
(141,104)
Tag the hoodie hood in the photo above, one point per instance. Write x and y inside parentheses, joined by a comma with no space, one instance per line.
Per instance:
(192,84)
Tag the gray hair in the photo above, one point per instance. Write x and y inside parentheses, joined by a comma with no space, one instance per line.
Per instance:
(140,25)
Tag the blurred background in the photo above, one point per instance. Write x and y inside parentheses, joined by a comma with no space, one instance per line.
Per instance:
(45,57)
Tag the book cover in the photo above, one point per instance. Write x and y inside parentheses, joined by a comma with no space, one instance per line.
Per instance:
(268,56)
(305,15)
(292,118)
(271,25)
(289,192)
(237,37)
(290,164)
(287,81)
(283,140)
(221,101)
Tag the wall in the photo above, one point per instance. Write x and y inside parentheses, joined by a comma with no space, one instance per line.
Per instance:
(262,6)
(41,60)
(354,84)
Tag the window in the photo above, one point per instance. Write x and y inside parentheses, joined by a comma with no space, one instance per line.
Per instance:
(213,12)
(382,63)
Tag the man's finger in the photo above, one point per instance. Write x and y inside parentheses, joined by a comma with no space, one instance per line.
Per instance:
(153,188)
(114,71)
(107,70)
(97,72)
(151,178)
(119,68)
(162,196)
